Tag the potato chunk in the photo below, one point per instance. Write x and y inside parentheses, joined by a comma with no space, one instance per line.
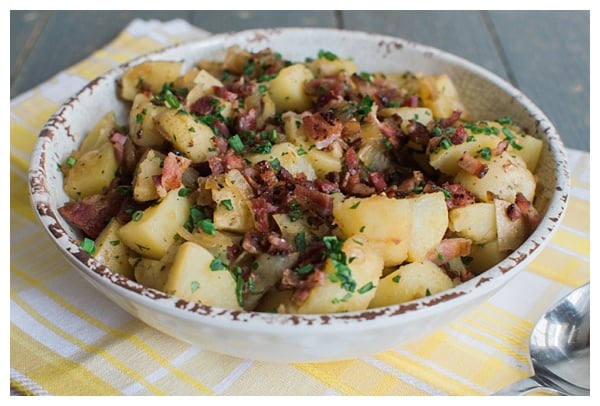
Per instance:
(111,251)
(154,232)
(347,287)
(92,172)
(385,222)
(142,125)
(150,74)
(287,89)
(476,221)
(409,282)
(191,278)
(192,137)
(507,174)
(149,165)
(440,95)
(231,194)
(429,224)
(288,156)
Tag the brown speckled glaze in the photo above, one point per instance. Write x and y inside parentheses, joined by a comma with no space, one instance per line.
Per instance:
(291,338)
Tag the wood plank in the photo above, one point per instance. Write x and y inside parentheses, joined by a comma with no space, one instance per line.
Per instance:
(225,21)
(549,57)
(25,27)
(70,36)
(463,33)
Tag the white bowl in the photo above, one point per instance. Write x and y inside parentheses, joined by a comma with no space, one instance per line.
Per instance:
(300,338)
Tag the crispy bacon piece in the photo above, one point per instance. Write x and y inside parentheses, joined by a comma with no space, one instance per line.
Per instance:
(450,248)
(223,93)
(449,121)
(91,214)
(500,148)
(311,199)
(472,165)
(323,128)
(172,172)
(459,196)
(460,135)
(118,140)
(531,215)
(377,180)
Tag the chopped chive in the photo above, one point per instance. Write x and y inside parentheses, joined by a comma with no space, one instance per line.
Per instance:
(88,245)
(137,215)
(227,204)
(71,161)
(194,286)
(236,143)
(366,287)
(208,227)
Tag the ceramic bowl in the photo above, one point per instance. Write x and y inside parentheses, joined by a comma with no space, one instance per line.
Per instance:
(300,338)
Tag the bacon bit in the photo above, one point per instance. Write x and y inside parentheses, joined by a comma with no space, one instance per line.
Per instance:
(261,208)
(311,199)
(513,212)
(472,165)
(460,135)
(326,186)
(450,248)
(532,217)
(500,148)
(253,242)
(172,172)
(323,128)
(278,245)
(118,140)
(91,213)
(449,121)
(409,185)
(203,106)
(351,131)
(216,165)
(221,144)
(459,196)
(223,93)
(411,101)
(246,120)
(377,180)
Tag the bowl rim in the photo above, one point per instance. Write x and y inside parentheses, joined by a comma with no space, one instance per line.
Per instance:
(480,285)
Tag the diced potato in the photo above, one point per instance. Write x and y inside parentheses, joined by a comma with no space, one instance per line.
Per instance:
(277,301)
(153,273)
(152,74)
(287,89)
(385,222)
(409,282)
(323,161)
(100,134)
(365,267)
(92,172)
(156,230)
(526,146)
(202,86)
(440,95)
(321,67)
(111,251)
(231,194)
(475,221)
(293,128)
(421,115)
(142,127)
(485,256)
(511,233)
(507,174)
(429,224)
(149,165)
(264,104)
(191,278)
(192,137)
(289,158)
(446,159)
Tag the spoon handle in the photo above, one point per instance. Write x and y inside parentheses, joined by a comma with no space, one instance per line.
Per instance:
(525,386)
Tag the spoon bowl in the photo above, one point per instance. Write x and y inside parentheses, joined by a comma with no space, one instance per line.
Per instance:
(560,349)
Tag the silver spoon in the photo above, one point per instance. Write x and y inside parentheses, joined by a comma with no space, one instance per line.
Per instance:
(560,349)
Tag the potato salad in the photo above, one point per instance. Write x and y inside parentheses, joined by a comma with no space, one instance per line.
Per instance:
(259,183)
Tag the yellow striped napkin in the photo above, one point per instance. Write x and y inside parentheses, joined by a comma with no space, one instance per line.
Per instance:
(68,339)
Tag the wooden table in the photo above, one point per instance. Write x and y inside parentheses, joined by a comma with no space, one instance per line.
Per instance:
(544,53)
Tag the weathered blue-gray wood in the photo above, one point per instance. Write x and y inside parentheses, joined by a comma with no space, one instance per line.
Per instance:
(225,21)
(463,33)
(548,53)
(545,54)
